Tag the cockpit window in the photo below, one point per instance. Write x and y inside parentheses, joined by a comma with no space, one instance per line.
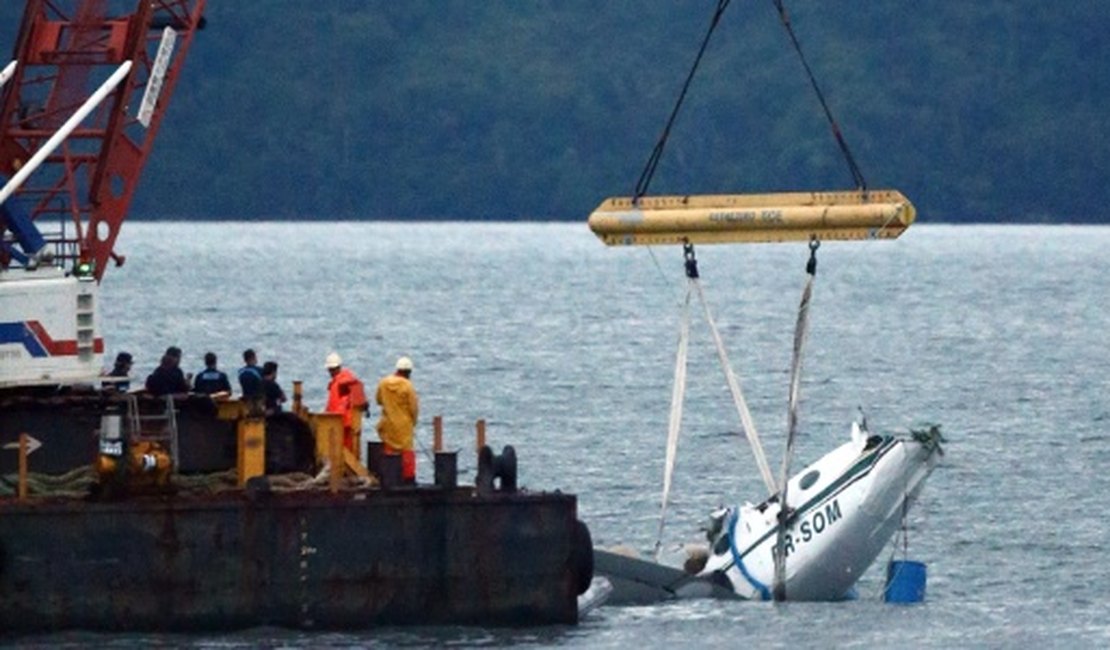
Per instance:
(809,479)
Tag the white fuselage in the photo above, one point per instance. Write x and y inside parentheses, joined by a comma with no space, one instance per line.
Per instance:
(846,506)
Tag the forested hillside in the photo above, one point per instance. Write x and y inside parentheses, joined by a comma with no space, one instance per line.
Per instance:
(993,110)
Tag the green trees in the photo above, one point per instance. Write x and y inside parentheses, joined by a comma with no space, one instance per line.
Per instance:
(988,111)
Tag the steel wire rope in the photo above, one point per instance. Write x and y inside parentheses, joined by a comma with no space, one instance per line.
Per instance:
(657,153)
(901,536)
(853,168)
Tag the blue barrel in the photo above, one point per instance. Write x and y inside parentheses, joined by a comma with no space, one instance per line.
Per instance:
(905,582)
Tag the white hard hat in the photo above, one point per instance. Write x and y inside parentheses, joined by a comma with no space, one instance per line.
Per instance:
(404,363)
(333,361)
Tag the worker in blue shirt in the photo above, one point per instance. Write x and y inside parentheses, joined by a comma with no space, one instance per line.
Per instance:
(250,376)
(211,380)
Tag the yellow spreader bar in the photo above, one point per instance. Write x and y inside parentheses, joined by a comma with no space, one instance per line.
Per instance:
(752,218)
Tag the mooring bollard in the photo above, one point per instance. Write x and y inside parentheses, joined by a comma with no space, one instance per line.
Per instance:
(447,469)
(446,463)
(480,426)
(496,472)
(374,453)
(390,475)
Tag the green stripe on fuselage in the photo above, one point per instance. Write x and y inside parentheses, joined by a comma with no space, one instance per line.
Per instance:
(861,467)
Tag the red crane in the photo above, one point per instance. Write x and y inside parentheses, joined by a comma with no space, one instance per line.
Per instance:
(77,198)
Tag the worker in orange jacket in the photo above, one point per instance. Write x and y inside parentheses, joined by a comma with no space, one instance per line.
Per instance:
(400,408)
(345,395)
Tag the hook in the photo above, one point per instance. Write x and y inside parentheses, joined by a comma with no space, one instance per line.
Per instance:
(691,260)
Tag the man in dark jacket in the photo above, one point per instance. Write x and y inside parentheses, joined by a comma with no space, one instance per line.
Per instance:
(273,393)
(167,378)
(250,376)
(121,369)
(211,380)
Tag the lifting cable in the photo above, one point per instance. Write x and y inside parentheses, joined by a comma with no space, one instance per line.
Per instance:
(730,377)
(800,330)
(678,397)
(853,168)
(678,393)
(657,152)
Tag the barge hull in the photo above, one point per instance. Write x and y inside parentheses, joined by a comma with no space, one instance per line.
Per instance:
(307,560)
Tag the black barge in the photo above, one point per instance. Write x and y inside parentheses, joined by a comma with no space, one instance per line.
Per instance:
(307,559)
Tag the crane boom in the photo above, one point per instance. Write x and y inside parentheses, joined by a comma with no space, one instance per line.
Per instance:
(80,195)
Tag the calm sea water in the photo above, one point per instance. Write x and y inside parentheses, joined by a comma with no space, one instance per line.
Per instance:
(999,334)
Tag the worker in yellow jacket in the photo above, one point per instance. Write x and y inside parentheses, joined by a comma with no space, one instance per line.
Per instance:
(400,407)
